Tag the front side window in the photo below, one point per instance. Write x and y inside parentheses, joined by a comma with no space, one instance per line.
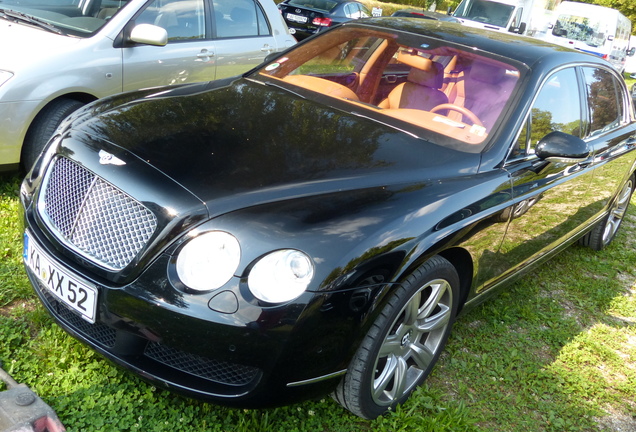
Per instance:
(239,18)
(556,108)
(184,20)
(604,102)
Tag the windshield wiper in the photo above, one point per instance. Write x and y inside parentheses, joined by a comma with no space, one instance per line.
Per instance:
(15,16)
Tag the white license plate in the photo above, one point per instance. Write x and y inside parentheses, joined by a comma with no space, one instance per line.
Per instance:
(296,18)
(69,289)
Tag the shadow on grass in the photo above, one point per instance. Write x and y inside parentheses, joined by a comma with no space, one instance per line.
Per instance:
(555,351)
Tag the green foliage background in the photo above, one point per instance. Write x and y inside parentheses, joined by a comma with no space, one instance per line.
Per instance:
(626,7)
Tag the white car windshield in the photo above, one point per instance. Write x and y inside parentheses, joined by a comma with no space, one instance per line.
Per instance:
(487,12)
(73,17)
(451,95)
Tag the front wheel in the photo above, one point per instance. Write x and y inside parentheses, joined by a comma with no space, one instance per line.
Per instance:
(605,231)
(404,342)
(43,128)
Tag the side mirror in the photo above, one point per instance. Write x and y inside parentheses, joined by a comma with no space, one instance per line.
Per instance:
(519,30)
(631,51)
(148,34)
(562,147)
(449,11)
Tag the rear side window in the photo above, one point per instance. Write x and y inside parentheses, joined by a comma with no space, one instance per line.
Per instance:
(355,11)
(239,18)
(605,103)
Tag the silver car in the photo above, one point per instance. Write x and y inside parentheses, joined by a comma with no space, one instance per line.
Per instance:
(57,55)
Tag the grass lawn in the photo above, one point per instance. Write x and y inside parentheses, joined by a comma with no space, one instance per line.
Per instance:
(554,352)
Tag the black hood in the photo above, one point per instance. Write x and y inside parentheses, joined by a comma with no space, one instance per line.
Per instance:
(244,140)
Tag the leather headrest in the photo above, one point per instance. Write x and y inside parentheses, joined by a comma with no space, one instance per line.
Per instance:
(486,73)
(424,71)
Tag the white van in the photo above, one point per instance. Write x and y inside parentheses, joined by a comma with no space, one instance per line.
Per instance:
(57,55)
(594,29)
(524,17)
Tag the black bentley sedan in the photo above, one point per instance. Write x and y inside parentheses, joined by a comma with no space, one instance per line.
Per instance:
(317,224)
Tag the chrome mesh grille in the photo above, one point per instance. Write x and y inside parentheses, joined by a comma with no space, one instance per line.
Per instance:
(97,219)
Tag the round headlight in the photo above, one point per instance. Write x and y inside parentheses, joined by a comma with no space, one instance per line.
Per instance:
(208,261)
(281,276)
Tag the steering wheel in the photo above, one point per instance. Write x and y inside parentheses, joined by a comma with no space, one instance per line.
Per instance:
(460,109)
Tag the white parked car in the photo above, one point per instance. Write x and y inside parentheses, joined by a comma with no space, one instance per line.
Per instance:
(57,55)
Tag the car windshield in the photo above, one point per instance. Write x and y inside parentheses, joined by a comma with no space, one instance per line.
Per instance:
(321,5)
(450,95)
(74,17)
(488,12)
(582,29)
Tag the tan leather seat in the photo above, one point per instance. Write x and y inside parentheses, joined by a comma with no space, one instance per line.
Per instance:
(421,89)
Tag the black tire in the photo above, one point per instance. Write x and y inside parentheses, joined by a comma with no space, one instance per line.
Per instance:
(43,127)
(399,344)
(605,231)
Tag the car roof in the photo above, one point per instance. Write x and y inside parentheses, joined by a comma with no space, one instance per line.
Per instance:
(526,50)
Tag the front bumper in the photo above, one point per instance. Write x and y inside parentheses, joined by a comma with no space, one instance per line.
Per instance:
(256,357)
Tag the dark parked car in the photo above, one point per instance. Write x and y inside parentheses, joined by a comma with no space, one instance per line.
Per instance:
(317,224)
(308,17)
(421,13)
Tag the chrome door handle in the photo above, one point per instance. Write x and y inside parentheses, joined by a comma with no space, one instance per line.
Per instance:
(205,54)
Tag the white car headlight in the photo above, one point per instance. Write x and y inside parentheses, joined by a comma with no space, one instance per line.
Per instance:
(208,261)
(281,276)
(5,76)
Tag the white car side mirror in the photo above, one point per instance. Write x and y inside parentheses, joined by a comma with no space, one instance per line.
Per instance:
(149,34)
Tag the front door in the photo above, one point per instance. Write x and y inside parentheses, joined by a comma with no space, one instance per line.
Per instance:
(188,57)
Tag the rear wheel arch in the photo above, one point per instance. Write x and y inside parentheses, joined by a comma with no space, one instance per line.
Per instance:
(604,231)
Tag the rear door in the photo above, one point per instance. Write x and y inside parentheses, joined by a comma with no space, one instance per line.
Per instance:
(243,36)
(607,134)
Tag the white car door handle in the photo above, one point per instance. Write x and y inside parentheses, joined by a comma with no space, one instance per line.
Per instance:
(267,48)
(204,54)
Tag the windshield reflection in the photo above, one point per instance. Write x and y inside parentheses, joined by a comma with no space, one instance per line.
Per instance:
(82,18)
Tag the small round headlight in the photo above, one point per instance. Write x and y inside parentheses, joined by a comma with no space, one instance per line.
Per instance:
(281,276)
(208,261)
